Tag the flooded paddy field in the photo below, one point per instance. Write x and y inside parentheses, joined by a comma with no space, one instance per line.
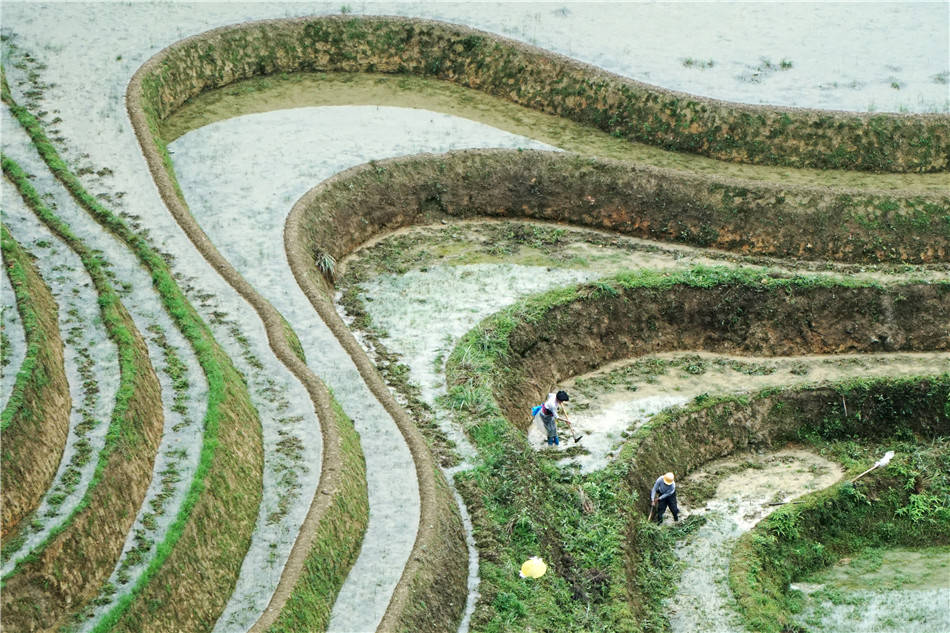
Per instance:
(343,391)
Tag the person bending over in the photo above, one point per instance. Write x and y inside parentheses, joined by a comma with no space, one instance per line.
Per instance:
(663,496)
(549,414)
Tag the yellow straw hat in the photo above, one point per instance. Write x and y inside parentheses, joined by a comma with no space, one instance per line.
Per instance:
(534,567)
(668,478)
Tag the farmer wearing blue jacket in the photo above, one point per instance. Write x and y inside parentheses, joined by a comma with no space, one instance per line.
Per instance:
(663,496)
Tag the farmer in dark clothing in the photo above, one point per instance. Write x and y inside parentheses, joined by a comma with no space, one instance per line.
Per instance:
(663,496)
(549,414)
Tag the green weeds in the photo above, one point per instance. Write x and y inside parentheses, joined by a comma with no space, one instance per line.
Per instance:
(336,544)
(228,404)
(123,435)
(906,503)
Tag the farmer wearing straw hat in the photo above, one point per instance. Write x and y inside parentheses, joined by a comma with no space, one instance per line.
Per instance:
(663,496)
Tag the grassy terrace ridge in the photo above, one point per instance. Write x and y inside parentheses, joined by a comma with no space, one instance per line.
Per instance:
(226,487)
(908,504)
(312,89)
(878,226)
(753,219)
(439,543)
(745,311)
(35,421)
(68,568)
(602,563)
(555,84)
(335,545)
(336,521)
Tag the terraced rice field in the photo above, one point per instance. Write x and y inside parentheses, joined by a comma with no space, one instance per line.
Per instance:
(281,288)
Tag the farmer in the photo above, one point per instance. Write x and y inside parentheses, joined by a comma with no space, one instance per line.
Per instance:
(549,414)
(663,496)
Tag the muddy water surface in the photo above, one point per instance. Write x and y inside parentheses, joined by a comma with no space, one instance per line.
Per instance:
(755,483)
(613,401)
(897,590)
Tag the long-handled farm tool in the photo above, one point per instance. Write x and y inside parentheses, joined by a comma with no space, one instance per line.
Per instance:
(577,438)
(884,461)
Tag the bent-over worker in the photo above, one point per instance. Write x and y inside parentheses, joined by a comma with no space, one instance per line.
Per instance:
(663,496)
(549,414)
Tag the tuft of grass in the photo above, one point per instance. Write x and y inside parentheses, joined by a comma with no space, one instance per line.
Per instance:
(701,64)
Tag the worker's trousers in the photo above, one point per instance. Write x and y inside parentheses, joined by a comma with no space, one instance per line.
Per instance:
(663,504)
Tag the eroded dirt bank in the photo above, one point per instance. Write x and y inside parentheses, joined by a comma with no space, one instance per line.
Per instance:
(809,223)
(604,323)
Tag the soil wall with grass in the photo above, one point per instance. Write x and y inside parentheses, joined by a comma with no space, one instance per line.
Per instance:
(69,568)
(653,203)
(35,422)
(436,572)
(337,534)
(822,527)
(431,592)
(226,488)
(570,332)
(553,84)
(683,440)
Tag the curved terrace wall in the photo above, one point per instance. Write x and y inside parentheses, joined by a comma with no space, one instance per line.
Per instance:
(549,83)
(523,75)
(35,422)
(339,215)
(903,505)
(684,440)
(355,205)
(713,310)
(436,571)
(226,487)
(67,570)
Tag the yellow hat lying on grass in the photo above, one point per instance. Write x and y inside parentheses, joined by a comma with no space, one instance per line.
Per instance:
(534,567)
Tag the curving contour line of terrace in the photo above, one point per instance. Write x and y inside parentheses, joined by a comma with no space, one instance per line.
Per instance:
(759,214)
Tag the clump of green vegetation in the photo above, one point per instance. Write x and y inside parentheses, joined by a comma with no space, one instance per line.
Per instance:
(309,605)
(905,504)
(765,67)
(701,64)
